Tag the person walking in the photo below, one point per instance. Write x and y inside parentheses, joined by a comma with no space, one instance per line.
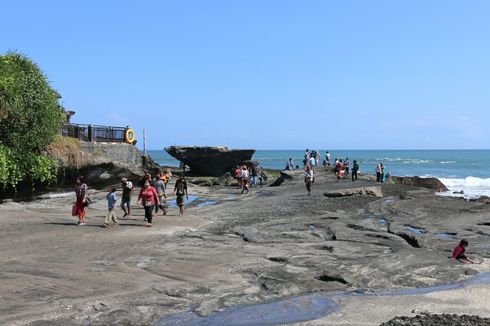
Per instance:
(339,167)
(81,192)
(148,197)
(355,169)
(253,176)
(180,190)
(159,185)
(245,174)
(111,203)
(346,165)
(309,176)
(127,190)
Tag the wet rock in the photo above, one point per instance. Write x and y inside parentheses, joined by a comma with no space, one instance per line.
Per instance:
(481,199)
(365,191)
(438,320)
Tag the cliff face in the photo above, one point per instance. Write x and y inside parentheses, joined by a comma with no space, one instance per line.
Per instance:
(102,164)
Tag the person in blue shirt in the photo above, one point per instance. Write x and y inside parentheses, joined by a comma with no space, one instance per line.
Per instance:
(111,203)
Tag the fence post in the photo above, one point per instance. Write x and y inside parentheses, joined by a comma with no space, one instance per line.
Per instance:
(90,133)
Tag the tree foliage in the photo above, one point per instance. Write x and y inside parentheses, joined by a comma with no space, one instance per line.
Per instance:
(30,117)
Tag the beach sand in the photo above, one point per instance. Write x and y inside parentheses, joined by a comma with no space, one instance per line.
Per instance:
(272,243)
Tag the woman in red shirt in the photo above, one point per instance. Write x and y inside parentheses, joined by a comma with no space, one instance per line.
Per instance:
(148,197)
(458,253)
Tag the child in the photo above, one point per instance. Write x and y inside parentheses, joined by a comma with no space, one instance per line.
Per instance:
(111,214)
(458,253)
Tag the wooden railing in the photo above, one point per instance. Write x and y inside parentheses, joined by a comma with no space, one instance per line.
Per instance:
(94,133)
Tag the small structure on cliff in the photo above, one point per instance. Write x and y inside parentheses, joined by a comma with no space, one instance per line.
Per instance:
(210,160)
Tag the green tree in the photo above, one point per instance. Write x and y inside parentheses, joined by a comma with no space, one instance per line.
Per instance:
(30,117)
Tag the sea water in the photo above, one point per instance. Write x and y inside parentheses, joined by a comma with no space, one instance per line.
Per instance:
(466,170)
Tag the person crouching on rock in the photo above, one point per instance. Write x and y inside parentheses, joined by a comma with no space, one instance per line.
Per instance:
(148,197)
(458,253)
(180,189)
(309,178)
(111,203)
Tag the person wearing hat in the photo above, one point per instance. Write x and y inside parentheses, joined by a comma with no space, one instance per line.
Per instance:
(126,196)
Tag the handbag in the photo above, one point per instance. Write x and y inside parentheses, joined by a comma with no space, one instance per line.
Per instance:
(74,210)
(87,202)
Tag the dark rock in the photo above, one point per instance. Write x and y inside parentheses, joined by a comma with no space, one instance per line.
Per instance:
(438,320)
(430,183)
(481,199)
(210,161)
(283,177)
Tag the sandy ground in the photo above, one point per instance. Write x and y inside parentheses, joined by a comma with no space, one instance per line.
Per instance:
(56,273)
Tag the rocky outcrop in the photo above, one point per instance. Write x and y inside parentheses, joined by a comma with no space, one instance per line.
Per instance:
(364,191)
(102,164)
(210,161)
(430,183)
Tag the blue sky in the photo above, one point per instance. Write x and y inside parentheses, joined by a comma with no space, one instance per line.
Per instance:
(267,74)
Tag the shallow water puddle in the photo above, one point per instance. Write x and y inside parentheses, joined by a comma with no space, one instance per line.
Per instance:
(198,201)
(296,309)
(416,230)
(301,308)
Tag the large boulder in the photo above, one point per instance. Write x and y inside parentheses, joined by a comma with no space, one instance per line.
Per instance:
(210,161)
(430,183)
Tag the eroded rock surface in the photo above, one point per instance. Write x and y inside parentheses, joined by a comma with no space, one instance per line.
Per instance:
(272,243)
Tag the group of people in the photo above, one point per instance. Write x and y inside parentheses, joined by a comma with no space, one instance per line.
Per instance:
(248,176)
(152,197)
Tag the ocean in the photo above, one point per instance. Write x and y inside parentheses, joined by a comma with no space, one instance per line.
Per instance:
(467,170)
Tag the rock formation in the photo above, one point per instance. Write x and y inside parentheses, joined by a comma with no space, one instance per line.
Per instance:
(210,161)
(430,183)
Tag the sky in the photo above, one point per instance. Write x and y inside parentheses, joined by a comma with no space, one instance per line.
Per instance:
(267,74)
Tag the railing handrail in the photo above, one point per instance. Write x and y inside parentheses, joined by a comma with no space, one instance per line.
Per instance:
(94,132)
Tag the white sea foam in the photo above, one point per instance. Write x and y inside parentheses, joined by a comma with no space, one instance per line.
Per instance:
(448,162)
(472,187)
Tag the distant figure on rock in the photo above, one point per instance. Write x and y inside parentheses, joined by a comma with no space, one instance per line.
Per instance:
(346,165)
(290,164)
(245,175)
(238,175)
(382,176)
(253,176)
(458,253)
(180,190)
(339,168)
(355,169)
(127,190)
(309,177)
(81,191)
(262,177)
(378,172)
(327,158)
